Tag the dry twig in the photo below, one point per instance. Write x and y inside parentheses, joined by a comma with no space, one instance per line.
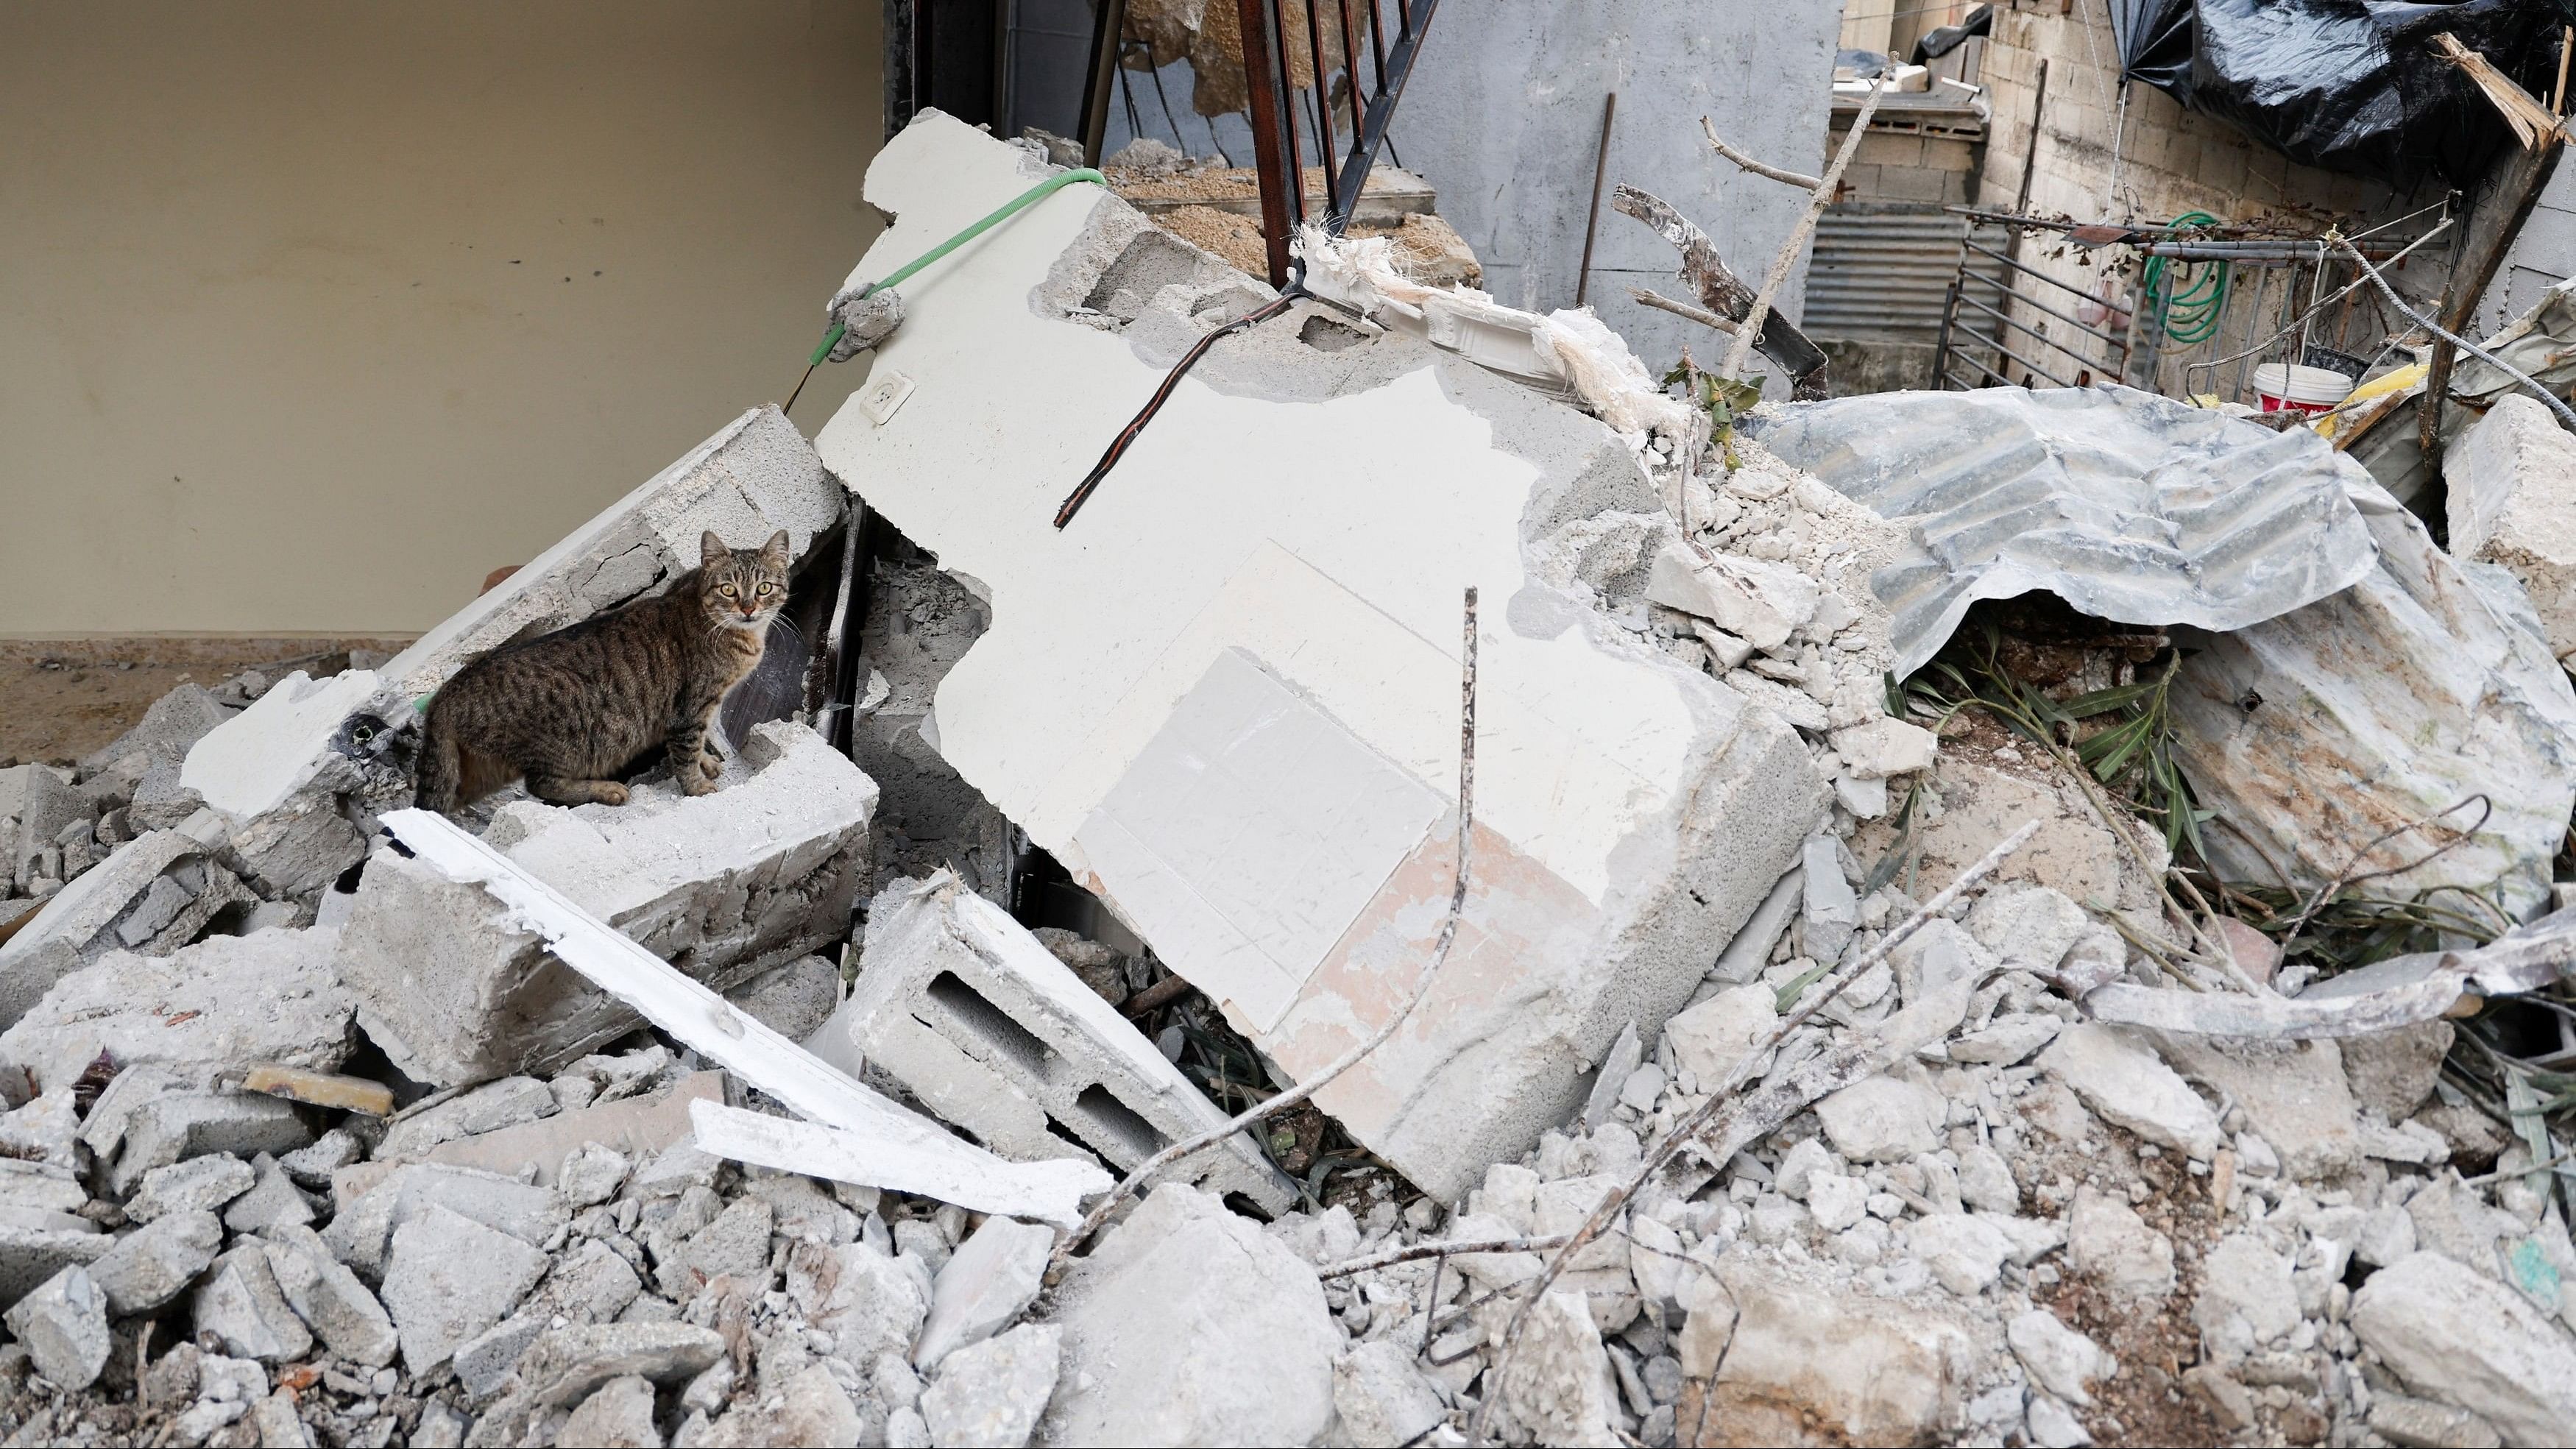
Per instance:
(1420,1251)
(2345,876)
(1255,1114)
(1721,1097)
(1663,303)
(1799,180)
(1742,351)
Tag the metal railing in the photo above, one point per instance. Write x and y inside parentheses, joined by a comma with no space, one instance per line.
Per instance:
(1990,286)
(1365,100)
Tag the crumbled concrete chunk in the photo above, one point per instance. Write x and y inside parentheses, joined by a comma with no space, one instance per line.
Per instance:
(180,1126)
(154,1265)
(487,1108)
(1381,1399)
(990,1393)
(618,1415)
(990,1281)
(200,1184)
(241,1305)
(2120,1077)
(793,1000)
(449,1278)
(1558,1386)
(2465,1339)
(64,1326)
(767,868)
(272,1201)
(1189,1325)
(327,1296)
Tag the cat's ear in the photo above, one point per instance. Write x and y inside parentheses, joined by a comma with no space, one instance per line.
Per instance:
(711,549)
(774,552)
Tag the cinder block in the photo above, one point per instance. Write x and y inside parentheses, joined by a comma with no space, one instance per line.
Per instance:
(723,886)
(996,1035)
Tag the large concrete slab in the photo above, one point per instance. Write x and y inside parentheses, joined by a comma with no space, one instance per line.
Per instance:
(1227,696)
(457,989)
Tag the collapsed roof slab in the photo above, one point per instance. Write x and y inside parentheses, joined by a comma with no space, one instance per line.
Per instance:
(1226,697)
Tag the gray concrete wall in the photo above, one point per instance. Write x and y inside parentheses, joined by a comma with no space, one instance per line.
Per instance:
(1503,116)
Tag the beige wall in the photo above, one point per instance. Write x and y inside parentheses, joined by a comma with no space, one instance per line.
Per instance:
(312,312)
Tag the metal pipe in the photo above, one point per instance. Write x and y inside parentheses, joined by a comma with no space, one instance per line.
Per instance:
(1335,218)
(2023,327)
(2070,321)
(1998,344)
(1592,222)
(1261,90)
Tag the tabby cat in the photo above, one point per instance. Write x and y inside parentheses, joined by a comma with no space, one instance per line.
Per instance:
(570,709)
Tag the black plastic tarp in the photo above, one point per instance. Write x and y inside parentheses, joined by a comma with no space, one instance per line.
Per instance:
(2349,85)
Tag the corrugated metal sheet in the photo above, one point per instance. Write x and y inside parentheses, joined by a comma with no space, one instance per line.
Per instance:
(1880,271)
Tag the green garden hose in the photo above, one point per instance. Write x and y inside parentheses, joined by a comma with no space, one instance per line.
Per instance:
(2190,313)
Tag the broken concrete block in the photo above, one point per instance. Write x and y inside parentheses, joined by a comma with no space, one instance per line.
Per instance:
(2246,1298)
(860,1295)
(1558,1388)
(2293,1094)
(374,1203)
(735,1245)
(2120,1077)
(990,1281)
(64,1326)
(169,728)
(456,989)
(996,1035)
(793,1000)
(640,1127)
(200,1184)
(567,1365)
(487,1108)
(154,1265)
(1189,1325)
(1878,748)
(618,1415)
(2393,1072)
(254,762)
(2108,1242)
(1883,1119)
(178,1126)
(1794,1360)
(30,1255)
(2512,501)
(1295,678)
(2074,851)
(2460,1337)
(81,922)
(36,806)
(989,1394)
(1757,601)
(330,1298)
(272,1202)
(449,1278)
(1380,1399)
(239,1303)
(1832,911)
(227,1000)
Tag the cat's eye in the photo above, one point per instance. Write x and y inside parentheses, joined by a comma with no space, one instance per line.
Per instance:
(767,589)
(725,589)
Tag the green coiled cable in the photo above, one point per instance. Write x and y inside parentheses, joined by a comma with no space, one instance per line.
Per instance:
(2190,313)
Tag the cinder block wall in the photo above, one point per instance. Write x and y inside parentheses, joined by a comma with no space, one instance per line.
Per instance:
(2171,162)
(313,312)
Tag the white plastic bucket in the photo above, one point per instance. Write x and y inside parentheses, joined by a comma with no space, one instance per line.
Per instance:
(2286,386)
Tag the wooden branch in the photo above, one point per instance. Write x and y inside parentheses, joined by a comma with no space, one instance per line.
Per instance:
(1663,303)
(1742,352)
(1803,183)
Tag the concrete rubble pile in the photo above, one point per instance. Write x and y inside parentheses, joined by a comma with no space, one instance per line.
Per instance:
(758,1117)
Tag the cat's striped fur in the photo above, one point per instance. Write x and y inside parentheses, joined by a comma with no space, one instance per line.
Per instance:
(573,708)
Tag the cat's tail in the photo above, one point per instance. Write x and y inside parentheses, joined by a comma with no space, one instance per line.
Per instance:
(440,771)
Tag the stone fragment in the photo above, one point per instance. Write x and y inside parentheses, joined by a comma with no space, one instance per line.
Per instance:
(2120,1077)
(374,1203)
(30,1255)
(591,1173)
(810,1409)
(642,1127)
(263,997)
(860,1295)
(1380,1400)
(1557,1387)
(1711,1037)
(567,1365)
(329,1298)
(2074,851)
(2462,1338)
(272,1201)
(1757,601)
(768,868)
(2246,1300)
(2108,1242)
(200,1184)
(988,1394)
(1836,1200)
(2059,1359)
(2392,1072)
(179,1127)
(487,1108)
(1883,1119)
(2424,1424)
(1774,1360)
(2052,1426)
(992,1032)
(992,1279)
(793,1000)
(2030,929)
(153,1265)
(617,1415)
(1832,911)
(1187,1324)
(2006,1040)
(278,1424)
(735,1245)
(2512,502)
(1965,1251)
(449,1278)
(241,1305)
(64,1326)
(2293,1093)
(1878,748)
(1986,1181)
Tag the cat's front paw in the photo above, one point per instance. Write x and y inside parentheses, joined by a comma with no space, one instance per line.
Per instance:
(712,766)
(610,793)
(697,782)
